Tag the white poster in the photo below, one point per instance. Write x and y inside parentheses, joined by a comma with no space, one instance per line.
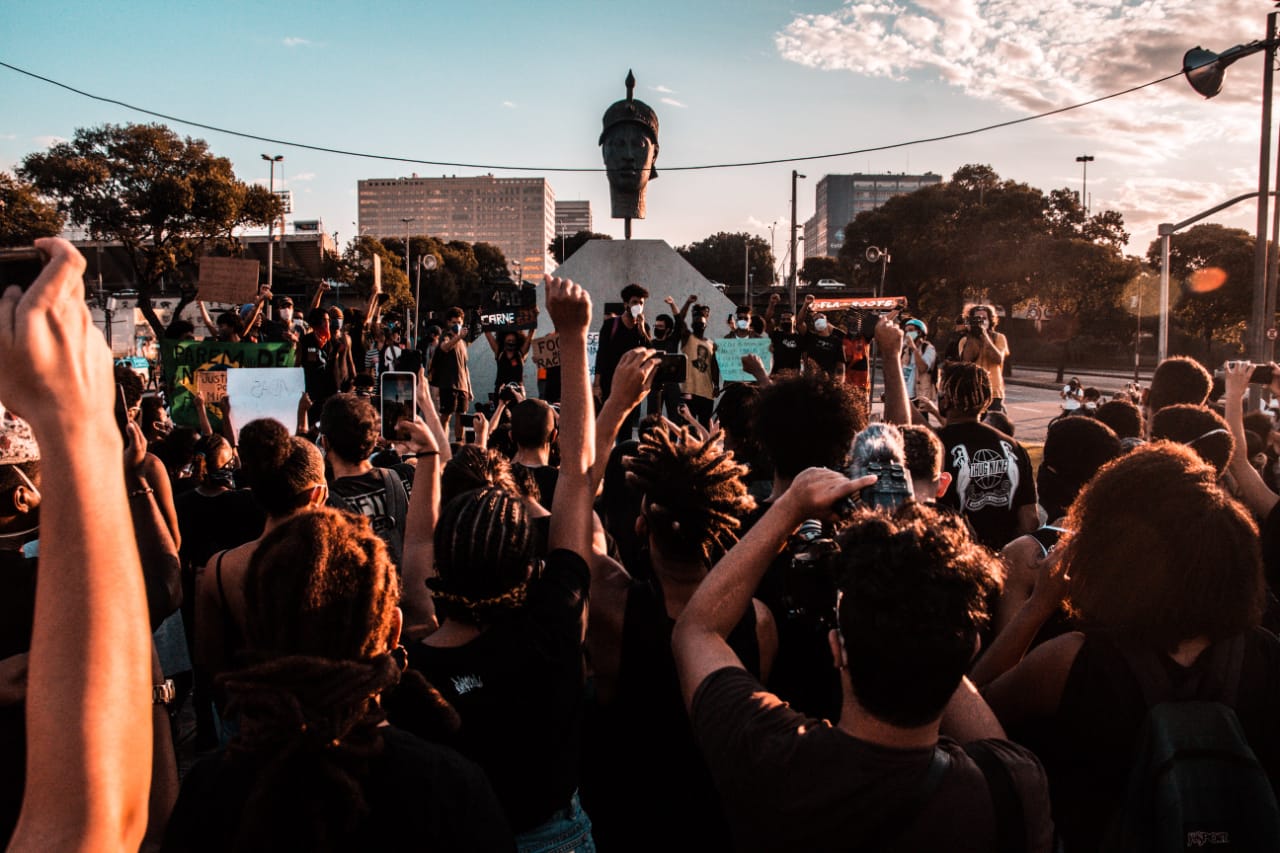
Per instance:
(264,392)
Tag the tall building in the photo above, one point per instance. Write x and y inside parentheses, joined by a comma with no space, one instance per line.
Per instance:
(572,217)
(515,214)
(839,198)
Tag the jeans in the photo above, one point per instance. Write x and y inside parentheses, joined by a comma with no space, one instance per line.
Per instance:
(566,831)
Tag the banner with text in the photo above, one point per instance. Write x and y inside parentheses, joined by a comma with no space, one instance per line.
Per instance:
(507,308)
(184,360)
(729,353)
(546,351)
(265,392)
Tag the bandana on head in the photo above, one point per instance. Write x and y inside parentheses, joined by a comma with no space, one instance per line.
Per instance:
(17,441)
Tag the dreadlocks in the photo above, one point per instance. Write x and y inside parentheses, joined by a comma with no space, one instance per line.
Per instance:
(694,493)
(967,388)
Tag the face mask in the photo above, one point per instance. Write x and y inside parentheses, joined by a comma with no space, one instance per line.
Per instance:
(699,326)
(820,324)
(637,309)
(336,323)
(785,325)
(285,315)
(660,332)
(224,476)
(457,328)
(742,325)
(913,335)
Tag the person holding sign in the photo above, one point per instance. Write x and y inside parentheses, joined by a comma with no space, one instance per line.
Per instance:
(510,349)
(702,379)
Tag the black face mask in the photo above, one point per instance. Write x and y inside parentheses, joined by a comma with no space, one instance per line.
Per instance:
(224,476)
(699,327)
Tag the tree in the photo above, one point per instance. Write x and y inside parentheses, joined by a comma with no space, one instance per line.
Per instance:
(356,269)
(720,258)
(816,269)
(562,248)
(24,216)
(164,197)
(491,264)
(1215,267)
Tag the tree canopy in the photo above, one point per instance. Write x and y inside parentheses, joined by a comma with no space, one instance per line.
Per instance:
(720,257)
(165,197)
(816,269)
(562,248)
(24,216)
(1212,266)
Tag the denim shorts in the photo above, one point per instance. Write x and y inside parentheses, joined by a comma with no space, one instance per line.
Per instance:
(566,831)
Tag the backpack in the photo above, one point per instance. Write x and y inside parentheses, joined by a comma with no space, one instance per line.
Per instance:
(1195,783)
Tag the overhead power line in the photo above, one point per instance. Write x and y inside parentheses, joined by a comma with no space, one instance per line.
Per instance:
(507,168)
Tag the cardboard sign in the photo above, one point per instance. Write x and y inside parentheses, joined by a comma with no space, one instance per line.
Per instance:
(212,384)
(546,351)
(265,392)
(232,280)
(593,349)
(729,353)
(184,360)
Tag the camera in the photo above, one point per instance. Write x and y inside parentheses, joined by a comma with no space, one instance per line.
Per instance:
(507,393)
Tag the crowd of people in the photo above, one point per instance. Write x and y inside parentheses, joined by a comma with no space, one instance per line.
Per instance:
(750,618)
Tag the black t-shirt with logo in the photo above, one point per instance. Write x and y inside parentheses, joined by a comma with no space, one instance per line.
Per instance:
(381,496)
(992,479)
(786,350)
(827,351)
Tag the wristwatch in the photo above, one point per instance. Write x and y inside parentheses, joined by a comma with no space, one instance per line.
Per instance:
(163,693)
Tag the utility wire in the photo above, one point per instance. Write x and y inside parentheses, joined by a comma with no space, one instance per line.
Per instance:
(499,168)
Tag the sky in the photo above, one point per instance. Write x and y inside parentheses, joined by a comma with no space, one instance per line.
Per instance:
(525,84)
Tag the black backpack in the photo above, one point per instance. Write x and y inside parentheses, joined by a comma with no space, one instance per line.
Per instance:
(1195,783)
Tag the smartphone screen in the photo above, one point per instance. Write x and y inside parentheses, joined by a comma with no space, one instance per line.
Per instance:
(398,391)
(1261,375)
(20,266)
(122,412)
(674,367)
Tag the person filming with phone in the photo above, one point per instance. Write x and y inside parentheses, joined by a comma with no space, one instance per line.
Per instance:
(984,346)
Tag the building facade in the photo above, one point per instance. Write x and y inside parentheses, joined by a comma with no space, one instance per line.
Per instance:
(839,198)
(572,217)
(515,214)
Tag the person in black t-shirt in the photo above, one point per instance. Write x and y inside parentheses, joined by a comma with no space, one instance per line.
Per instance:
(994,485)
(533,430)
(888,775)
(510,349)
(822,344)
(620,334)
(786,341)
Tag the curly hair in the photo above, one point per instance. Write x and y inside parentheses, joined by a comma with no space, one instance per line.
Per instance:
(913,598)
(1123,416)
(350,426)
(1161,553)
(694,494)
(1198,427)
(486,547)
(320,597)
(806,421)
(1178,379)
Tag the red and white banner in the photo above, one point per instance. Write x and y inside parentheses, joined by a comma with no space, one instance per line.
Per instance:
(859,303)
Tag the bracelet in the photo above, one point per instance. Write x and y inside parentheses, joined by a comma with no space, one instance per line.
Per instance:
(420,454)
(164,692)
(137,493)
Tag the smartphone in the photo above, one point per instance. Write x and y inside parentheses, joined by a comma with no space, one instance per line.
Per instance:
(674,367)
(122,413)
(1261,375)
(398,391)
(20,266)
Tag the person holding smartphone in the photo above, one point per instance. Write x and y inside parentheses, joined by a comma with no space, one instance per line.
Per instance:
(984,346)
(450,372)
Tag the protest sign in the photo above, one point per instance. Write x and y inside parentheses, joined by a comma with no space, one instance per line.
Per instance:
(546,351)
(265,392)
(506,308)
(729,353)
(233,280)
(212,384)
(593,349)
(183,360)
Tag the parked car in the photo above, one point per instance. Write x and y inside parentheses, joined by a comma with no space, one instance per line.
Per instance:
(830,283)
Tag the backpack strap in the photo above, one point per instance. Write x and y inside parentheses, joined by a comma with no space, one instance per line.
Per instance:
(1216,679)
(896,821)
(1010,822)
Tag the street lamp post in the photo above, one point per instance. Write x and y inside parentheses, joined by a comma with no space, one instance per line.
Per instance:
(406,220)
(791,279)
(1084,160)
(271,245)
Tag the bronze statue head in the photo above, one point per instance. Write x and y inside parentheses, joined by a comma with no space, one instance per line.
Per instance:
(629,142)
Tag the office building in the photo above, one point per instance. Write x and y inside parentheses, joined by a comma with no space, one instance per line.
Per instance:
(515,214)
(839,198)
(572,217)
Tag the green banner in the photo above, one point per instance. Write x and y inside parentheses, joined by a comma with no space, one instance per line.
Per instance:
(183,360)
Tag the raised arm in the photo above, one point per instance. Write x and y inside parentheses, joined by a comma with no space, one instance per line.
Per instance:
(161,566)
(418,560)
(570,310)
(1253,490)
(897,409)
(318,295)
(264,296)
(700,641)
(208,321)
(88,748)
(631,382)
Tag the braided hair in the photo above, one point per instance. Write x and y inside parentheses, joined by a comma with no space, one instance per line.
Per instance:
(967,388)
(486,547)
(694,494)
(320,597)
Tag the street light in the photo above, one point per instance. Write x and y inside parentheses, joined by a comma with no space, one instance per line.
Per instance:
(1204,70)
(1084,160)
(795,176)
(406,220)
(271,225)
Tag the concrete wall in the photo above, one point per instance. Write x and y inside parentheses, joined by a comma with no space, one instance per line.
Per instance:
(603,268)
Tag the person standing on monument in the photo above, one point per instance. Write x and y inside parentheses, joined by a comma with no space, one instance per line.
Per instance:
(617,336)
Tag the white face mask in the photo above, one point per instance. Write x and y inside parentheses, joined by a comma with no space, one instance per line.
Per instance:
(913,335)
(820,324)
(285,315)
(742,324)
(335,323)
(637,309)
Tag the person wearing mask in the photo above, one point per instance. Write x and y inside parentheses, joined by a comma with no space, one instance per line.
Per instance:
(450,373)
(785,340)
(742,324)
(702,374)
(821,344)
(510,349)
(919,357)
(285,328)
(984,346)
(618,335)
(318,357)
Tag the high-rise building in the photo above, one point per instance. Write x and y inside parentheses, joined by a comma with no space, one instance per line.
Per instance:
(572,217)
(839,198)
(515,214)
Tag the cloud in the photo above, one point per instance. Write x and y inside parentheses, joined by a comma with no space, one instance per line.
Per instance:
(302,176)
(48,141)
(8,136)
(296,41)
(663,89)
(511,105)
(673,103)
